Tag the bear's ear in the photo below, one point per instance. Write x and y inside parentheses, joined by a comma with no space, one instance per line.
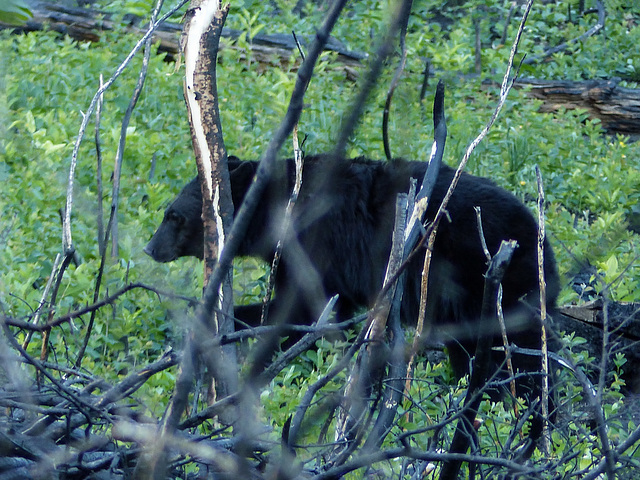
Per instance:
(233,161)
(242,173)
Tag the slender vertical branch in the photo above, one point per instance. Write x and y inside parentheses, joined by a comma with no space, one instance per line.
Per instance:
(543,314)
(396,79)
(482,360)
(117,169)
(102,245)
(286,225)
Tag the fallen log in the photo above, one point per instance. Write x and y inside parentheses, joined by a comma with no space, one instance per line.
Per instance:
(623,326)
(87,25)
(618,108)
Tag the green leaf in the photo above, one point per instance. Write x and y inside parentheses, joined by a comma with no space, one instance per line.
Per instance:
(14,12)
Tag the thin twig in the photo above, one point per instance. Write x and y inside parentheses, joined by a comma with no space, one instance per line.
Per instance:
(295,39)
(103,237)
(66,392)
(285,232)
(430,455)
(43,300)
(543,314)
(102,242)
(117,169)
(563,46)
(90,308)
(500,315)
(67,241)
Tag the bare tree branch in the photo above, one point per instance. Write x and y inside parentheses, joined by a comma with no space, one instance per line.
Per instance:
(465,431)
(67,242)
(243,216)
(395,81)
(563,46)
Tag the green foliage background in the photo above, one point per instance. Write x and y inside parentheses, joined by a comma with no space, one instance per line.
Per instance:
(591,179)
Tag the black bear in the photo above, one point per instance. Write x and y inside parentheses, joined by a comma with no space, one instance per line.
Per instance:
(342,240)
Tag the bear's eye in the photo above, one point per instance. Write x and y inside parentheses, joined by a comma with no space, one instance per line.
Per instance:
(173,216)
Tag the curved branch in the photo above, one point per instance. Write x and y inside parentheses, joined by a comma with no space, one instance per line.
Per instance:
(563,46)
(394,82)
(14,322)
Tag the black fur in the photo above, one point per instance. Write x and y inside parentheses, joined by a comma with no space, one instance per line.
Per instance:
(343,235)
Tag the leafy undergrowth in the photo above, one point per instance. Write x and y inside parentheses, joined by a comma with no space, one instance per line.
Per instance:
(591,184)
